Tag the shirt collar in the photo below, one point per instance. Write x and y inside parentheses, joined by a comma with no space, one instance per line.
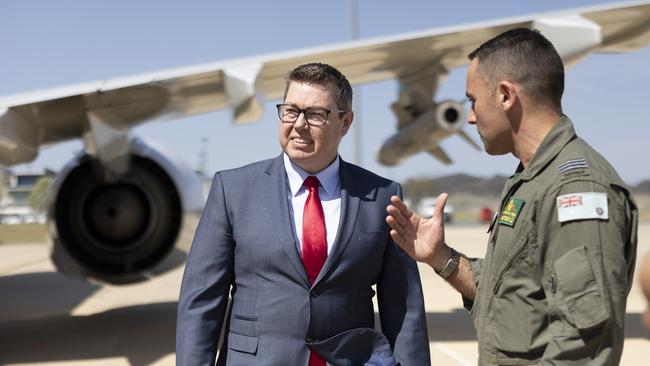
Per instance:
(560,135)
(328,177)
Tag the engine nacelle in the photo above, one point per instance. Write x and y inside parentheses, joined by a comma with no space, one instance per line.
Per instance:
(450,116)
(424,133)
(120,231)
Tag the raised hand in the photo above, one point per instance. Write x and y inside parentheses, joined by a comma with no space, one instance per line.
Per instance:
(422,239)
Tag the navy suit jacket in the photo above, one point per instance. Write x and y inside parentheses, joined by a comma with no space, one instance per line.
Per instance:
(245,247)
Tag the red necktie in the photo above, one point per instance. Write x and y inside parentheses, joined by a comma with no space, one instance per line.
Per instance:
(314,242)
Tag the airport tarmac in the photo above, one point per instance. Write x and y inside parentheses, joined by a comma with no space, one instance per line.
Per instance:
(49,319)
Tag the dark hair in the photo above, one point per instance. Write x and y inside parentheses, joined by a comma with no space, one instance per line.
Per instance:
(323,75)
(526,58)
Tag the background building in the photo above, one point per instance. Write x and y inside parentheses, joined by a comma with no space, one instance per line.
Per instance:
(20,203)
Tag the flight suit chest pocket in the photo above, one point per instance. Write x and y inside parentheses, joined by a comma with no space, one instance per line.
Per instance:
(513,325)
(576,292)
(516,252)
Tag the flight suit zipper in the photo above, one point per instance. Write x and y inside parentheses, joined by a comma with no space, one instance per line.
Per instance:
(484,303)
(521,242)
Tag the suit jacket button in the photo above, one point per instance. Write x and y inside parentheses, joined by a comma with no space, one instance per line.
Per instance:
(314,294)
(308,339)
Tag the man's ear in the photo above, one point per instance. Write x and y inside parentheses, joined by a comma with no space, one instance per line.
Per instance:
(508,95)
(347,119)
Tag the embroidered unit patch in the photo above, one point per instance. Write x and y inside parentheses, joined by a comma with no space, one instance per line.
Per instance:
(582,206)
(510,213)
(572,164)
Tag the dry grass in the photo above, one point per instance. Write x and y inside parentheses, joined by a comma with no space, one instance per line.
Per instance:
(26,233)
(466,207)
(643,201)
(466,211)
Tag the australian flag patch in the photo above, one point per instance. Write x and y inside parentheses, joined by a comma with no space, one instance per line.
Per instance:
(572,164)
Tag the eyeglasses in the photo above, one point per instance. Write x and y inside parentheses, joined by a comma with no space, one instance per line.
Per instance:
(314,116)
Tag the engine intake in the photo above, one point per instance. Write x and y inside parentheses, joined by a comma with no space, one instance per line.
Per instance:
(115,230)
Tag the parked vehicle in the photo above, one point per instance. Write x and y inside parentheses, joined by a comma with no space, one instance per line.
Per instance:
(426,205)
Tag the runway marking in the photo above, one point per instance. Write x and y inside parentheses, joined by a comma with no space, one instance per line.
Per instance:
(452,354)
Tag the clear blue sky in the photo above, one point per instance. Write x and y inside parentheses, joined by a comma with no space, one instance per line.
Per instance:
(54,43)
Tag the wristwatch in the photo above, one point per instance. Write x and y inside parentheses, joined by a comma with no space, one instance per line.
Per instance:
(451,265)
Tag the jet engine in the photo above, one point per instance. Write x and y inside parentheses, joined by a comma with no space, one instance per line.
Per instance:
(123,229)
(450,115)
(424,132)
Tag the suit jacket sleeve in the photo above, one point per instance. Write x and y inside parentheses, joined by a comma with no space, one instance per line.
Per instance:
(206,282)
(401,306)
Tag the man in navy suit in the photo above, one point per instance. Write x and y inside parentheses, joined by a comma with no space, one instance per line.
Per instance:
(297,242)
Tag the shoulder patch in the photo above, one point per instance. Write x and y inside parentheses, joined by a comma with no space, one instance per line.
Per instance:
(582,206)
(573,164)
(511,211)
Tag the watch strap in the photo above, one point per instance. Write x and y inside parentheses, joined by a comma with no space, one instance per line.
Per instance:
(451,266)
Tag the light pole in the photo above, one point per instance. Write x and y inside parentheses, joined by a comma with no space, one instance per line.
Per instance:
(356,126)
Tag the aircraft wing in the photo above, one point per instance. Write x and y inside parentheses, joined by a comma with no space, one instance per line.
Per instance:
(117,209)
(100,111)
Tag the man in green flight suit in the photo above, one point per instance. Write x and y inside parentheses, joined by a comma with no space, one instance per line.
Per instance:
(560,259)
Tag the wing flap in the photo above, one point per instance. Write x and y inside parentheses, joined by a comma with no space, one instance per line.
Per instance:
(623,29)
(61,114)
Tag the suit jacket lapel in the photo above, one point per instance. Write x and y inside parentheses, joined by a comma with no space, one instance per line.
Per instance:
(278,198)
(349,209)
